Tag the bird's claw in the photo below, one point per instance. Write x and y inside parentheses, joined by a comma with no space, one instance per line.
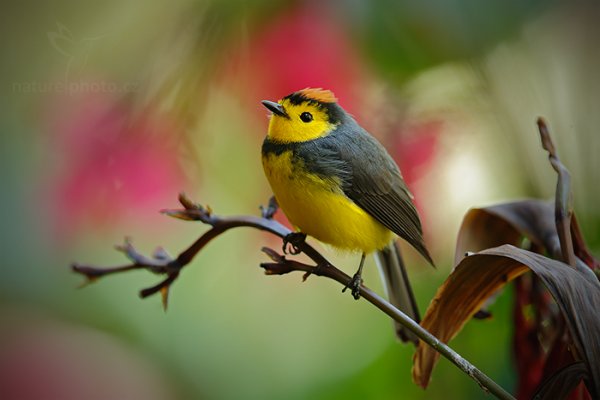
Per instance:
(291,242)
(354,286)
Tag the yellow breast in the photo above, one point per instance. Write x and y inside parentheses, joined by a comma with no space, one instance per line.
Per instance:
(319,207)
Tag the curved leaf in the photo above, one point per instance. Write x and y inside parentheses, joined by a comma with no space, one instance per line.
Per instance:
(561,384)
(507,223)
(478,276)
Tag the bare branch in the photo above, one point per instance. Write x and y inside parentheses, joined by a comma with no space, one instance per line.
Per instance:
(162,263)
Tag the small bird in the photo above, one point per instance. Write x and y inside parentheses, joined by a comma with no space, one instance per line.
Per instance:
(337,183)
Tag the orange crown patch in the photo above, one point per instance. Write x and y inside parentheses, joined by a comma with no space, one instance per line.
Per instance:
(318,94)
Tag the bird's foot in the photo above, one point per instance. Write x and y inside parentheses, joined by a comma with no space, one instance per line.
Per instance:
(354,286)
(291,242)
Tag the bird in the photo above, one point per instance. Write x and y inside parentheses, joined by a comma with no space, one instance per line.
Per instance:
(336,183)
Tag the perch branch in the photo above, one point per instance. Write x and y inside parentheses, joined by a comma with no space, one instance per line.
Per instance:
(162,263)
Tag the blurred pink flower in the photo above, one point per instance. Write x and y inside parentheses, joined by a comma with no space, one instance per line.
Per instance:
(303,46)
(112,164)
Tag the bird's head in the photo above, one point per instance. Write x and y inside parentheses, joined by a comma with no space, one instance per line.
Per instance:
(304,115)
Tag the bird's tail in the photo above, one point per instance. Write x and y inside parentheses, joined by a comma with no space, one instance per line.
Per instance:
(397,287)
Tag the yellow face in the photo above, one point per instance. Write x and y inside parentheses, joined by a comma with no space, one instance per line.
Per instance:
(304,121)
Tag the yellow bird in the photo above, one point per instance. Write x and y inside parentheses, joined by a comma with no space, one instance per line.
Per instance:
(337,183)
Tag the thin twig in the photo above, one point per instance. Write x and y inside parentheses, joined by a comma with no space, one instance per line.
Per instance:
(163,264)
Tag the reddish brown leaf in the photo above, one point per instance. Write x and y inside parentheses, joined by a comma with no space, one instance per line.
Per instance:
(478,276)
(507,223)
(581,250)
(561,384)
(483,228)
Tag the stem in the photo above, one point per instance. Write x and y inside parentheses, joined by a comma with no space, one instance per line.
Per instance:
(563,202)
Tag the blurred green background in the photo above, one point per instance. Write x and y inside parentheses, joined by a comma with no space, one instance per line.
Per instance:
(108,110)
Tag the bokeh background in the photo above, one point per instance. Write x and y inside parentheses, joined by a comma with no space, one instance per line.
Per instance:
(109,109)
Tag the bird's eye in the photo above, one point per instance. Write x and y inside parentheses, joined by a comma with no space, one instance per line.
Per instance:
(306,117)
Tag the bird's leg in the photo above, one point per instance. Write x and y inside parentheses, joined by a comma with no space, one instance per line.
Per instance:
(293,239)
(356,281)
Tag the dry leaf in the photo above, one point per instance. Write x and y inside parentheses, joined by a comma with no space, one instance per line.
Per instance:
(561,384)
(484,228)
(478,276)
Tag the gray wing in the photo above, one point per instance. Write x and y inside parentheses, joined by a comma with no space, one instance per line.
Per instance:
(374,183)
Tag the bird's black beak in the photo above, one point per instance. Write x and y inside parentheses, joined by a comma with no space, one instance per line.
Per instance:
(275,108)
